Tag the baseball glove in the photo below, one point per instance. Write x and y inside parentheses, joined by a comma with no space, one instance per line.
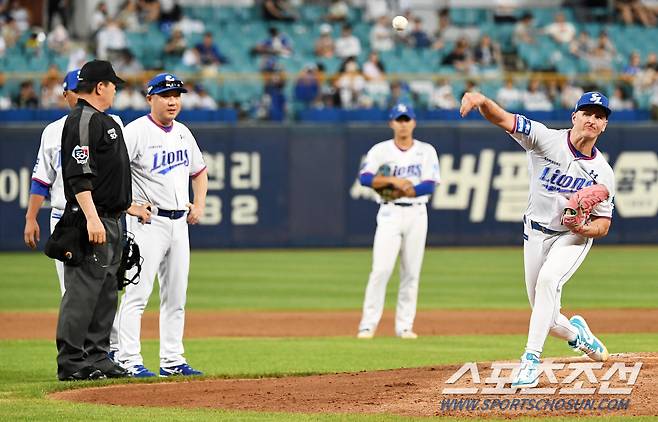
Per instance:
(577,212)
(131,262)
(387,193)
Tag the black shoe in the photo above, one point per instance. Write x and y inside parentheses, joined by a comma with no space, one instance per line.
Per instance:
(114,371)
(86,373)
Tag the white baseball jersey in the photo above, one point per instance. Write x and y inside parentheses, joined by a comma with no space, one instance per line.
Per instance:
(557,170)
(162,161)
(417,164)
(47,169)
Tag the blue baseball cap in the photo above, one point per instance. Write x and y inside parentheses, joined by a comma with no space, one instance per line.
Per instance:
(402,110)
(71,80)
(594,98)
(164,82)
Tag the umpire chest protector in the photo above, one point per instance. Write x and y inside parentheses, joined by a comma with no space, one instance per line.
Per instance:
(94,155)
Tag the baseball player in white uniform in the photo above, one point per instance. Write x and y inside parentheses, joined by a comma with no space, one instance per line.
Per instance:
(561,163)
(401,220)
(164,156)
(47,175)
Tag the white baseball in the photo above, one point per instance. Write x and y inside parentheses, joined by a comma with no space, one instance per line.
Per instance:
(400,23)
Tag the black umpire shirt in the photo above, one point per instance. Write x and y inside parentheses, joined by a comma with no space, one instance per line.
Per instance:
(95,158)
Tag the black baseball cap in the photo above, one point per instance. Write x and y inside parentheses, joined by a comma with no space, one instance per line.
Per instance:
(99,71)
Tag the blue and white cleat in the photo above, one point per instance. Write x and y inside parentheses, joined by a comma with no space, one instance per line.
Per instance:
(182,369)
(528,376)
(140,371)
(587,342)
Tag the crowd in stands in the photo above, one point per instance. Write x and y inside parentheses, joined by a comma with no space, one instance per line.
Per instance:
(345,57)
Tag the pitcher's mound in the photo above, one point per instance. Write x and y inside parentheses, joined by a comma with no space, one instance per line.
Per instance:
(411,392)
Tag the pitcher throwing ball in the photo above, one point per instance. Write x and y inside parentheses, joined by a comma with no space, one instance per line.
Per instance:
(571,201)
(404,171)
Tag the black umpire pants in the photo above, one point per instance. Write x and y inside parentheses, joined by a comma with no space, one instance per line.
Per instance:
(89,304)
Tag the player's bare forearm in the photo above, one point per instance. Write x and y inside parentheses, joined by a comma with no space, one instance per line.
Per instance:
(95,227)
(199,189)
(596,229)
(32,232)
(488,109)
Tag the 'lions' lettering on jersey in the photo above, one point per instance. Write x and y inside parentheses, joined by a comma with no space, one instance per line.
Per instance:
(162,162)
(557,170)
(419,163)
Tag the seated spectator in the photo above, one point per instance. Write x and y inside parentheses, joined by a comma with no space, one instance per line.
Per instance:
(26,97)
(110,40)
(274,98)
(619,101)
(560,30)
(127,63)
(307,86)
(652,62)
(471,86)
(582,45)
(148,10)
(277,44)
(509,96)
(204,100)
(128,16)
(446,31)
(525,31)
(19,14)
(324,45)
(630,10)
(461,57)
(375,9)
(338,11)
(381,35)
(10,32)
(5,101)
(58,40)
(418,38)
(278,10)
(443,96)
(129,97)
(209,54)
(347,45)
(400,93)
(177,44)
(600,60)
(570,94)
(51,92)
(350,85)
(487,53)
(373,68)
(535,98)
(99,18)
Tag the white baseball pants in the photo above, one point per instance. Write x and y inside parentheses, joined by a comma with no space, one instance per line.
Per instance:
(550,261)
(400,231)
(165,246)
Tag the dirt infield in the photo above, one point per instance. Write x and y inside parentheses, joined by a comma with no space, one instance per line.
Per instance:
(408,392)
(23,325)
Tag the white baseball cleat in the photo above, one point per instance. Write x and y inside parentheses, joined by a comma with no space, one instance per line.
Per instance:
(587,342)
(365,333)
(408,335)
(528,376)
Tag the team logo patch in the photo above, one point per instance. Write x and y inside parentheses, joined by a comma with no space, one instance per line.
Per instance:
(595,98)
(522,124)
(113,133)
(81,154)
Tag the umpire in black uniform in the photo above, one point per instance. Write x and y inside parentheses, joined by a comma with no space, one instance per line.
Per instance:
(97,185)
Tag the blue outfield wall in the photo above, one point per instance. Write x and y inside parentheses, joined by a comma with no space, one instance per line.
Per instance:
(273,186)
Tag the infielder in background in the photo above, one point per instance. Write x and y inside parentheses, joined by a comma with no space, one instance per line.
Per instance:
(413,172)
(47,175)
(164,156)
(566,172)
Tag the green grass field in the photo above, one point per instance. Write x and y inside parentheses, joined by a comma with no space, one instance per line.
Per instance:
(317,280)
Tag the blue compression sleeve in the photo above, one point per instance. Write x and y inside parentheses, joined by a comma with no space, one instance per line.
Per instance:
(366,179)
(38,188)
(425,188)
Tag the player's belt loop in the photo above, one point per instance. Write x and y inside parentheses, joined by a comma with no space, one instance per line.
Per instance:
(171,214)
